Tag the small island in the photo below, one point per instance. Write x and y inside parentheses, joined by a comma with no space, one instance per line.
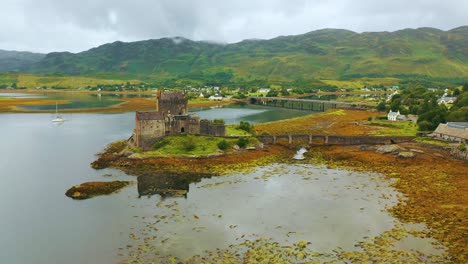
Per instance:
(91,189)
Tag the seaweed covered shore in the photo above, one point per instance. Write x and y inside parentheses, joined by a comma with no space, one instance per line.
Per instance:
(433,183)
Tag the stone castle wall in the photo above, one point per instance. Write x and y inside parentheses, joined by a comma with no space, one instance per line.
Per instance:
(172,118)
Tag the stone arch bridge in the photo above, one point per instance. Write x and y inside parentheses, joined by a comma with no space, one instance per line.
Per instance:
(331,140)
(301,104)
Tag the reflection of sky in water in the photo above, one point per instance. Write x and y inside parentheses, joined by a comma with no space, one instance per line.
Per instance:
(21,95)
(330,208)
(251,113)
(78,100)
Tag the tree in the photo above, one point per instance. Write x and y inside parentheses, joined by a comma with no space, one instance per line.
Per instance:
(381,106)
(272,93)
(244,125)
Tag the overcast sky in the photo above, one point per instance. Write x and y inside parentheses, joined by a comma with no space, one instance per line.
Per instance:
(78,25)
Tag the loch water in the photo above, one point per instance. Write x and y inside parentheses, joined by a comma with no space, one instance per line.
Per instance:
(40,160)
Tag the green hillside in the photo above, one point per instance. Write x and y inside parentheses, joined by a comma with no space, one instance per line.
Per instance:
(18,60)
(321,54)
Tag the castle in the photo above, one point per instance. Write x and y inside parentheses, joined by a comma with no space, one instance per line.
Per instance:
(171,118)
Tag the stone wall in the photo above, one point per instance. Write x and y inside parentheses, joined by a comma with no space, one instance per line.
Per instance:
(148,131)
(209,129)
(332,140)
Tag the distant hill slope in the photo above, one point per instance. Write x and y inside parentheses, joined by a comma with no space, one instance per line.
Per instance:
(18,60)
(324,54)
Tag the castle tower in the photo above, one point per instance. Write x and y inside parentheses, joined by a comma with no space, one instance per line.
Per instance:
(173,103)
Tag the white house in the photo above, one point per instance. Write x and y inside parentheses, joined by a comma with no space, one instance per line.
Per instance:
(264,90)
(392,116)
(216,97)
(446,100)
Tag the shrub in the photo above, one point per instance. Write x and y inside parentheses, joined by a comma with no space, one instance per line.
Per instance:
(189,144)
(218,121)
(223,145)
(462,147)
(243,125)
(242,142)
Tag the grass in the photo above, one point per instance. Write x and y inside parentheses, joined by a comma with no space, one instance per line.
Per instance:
(338,112)
(395,128)
(32,81)
(233,130)
(427,140)
(188,145)
(361,82)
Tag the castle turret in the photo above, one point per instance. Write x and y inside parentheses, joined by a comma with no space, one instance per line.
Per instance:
(173,103)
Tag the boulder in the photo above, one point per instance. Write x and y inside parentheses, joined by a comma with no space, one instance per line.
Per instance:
(126,153)
(259,145)
(136,156)
(406,154)
(388,149)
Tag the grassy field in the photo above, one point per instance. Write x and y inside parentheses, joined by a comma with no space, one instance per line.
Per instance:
(431,141)
(363,82)
(32,81)
(394,128)
(190,145)
(233,130)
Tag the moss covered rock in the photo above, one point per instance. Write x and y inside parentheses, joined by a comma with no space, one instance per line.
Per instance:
(90,189)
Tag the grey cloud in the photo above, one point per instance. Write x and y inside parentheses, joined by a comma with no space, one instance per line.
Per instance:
(59,25)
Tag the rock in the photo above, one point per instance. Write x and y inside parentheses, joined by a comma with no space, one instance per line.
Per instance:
(365,147)
(417,150)
(126,153)
(406,154)
(259,145)
(236,147)
(388,148)
(136,156)
(91,189)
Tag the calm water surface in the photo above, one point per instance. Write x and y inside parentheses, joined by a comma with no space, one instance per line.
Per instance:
(39,161)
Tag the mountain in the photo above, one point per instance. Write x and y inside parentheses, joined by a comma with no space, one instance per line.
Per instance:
(18,60)
(321,54)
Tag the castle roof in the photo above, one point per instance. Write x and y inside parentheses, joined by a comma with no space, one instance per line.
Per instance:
(149,116)
(172,95)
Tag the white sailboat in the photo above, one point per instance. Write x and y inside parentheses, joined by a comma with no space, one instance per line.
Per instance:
(58,118)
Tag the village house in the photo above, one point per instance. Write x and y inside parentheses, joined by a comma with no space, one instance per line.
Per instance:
(452,131)
(216,97)
(170,118)
(393,116)
(446,100)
